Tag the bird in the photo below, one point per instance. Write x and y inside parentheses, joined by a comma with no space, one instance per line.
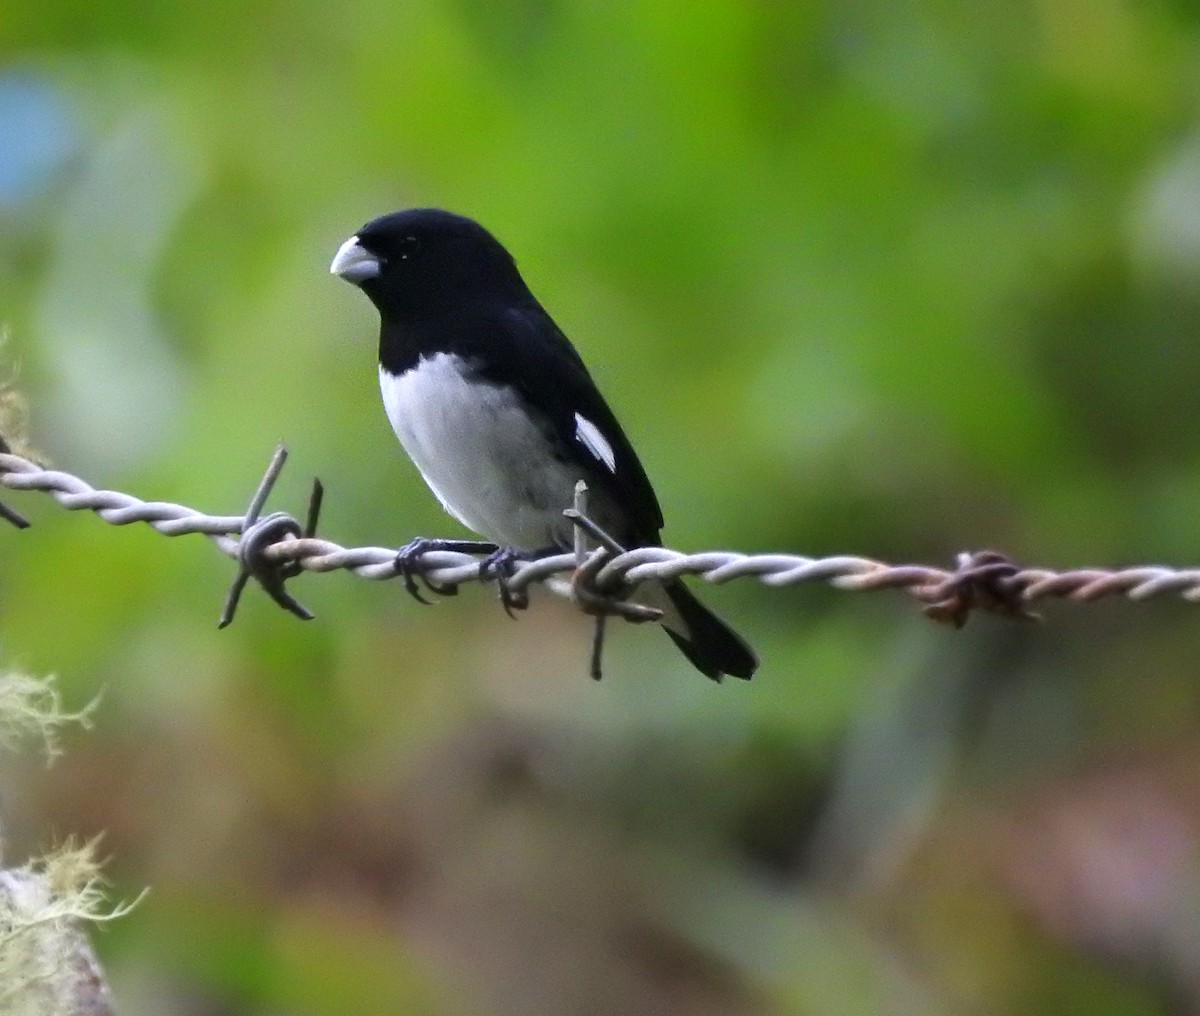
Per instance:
(496,409)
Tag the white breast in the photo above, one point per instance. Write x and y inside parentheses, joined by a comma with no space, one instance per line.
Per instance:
(490,466)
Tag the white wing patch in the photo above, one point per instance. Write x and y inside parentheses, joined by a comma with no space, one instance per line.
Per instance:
(588,434)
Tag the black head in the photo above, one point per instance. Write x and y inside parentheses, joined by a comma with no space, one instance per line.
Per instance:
(424,259)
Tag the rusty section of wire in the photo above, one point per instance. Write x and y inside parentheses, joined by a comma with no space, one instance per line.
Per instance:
(274,548)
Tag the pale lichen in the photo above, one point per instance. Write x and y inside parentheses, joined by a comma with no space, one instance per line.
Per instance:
(31,707)
(47,967)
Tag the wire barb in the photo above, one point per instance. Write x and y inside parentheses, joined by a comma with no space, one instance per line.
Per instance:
(591,593)
(259,535)
(14,517)
(983,581)
(579,512)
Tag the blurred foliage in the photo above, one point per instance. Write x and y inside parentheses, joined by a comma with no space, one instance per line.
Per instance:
(864,277)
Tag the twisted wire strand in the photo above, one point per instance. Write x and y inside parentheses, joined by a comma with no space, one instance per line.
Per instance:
(984,580)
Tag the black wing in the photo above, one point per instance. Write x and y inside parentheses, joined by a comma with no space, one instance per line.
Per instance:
(527,351)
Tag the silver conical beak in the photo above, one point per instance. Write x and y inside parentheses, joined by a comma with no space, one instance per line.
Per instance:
(354,263)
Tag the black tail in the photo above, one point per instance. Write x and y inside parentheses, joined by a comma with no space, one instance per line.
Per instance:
(708,642)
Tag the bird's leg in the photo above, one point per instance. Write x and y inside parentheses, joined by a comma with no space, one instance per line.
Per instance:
(501,564)
(408,556)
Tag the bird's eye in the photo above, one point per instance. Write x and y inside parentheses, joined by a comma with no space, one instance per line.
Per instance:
(407,247)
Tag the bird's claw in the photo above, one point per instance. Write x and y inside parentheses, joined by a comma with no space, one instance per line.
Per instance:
(501,564)
(406,567)
(407,564)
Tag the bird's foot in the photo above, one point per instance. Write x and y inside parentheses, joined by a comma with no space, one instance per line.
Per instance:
(408,558)
(500,565)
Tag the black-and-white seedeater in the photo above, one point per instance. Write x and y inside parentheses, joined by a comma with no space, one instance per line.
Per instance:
(496,409)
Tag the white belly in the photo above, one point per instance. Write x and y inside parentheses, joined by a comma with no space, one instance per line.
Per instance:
(488,464)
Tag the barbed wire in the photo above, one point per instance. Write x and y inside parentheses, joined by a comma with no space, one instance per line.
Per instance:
(274,548)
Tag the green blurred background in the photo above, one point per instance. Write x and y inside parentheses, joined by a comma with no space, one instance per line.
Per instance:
(860,277)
